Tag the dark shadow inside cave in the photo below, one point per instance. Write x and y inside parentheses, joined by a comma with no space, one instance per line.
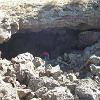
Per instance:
(55,41)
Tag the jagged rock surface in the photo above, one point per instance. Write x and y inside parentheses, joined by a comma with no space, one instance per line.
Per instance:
(30,78)
(87,90)
(45,14)
(72,76)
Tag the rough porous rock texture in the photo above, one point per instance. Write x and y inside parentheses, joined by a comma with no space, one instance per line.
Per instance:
(73,75)
(87,90)
(83,13)
(31,78)
(75,14)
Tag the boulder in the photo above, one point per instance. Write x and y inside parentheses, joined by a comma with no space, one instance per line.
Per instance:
(50,82)
(58,93)
(24,72)
(6,68)
(8,92)
(35,83)
(71,76)
(94,59)
(63,80)
(93,51)
(4,35)
(22,58)
(24,75)
(24,67)
(30,96)
(38,62)
(40,70)
(85,40)
(75,59)
(39,93)
(5,28)
(48,69)
(55,72)
(95,69)
(23,92)
(87,90)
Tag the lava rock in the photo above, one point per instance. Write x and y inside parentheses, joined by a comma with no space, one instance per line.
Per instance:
(94,59)
(8,92)
(58,93)
(35,84)
(85,40)
(55,72)
(39,93)
(23,92)
(22,58)
(38,62)
(87,90)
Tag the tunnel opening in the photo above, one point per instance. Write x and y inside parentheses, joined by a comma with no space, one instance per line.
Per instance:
(55,41)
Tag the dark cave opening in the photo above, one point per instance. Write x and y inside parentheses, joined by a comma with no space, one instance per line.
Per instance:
(55,41)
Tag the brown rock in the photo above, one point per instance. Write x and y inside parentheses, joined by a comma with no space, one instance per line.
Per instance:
(23,92)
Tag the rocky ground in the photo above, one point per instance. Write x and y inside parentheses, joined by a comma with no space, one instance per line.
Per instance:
(75,75)
(31,78)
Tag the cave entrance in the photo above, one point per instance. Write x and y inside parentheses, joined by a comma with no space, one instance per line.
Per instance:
(55,41)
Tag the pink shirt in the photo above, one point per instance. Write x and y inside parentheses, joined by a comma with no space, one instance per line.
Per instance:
(45,53)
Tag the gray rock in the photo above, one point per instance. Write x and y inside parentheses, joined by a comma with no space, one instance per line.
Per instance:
(63,80)
(55,72)
(41,91)
(35,84)
(38,62)
(94,49)
(24,67)
(85,40)
(23,92)
(95,69)
(8,92)
(40,71)
(71,77)
(24,71)
(4,35)
(75,59)
(50,82)
(87,90)
(5,28)
(94,59)
(35,99)
(58,93)
(6,68)
(22,58)
(30,96)
(48,69)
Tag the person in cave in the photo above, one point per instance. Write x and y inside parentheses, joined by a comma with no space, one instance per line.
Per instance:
(45,55)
